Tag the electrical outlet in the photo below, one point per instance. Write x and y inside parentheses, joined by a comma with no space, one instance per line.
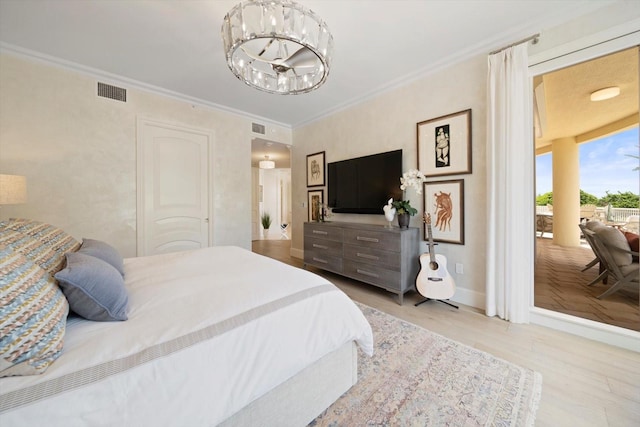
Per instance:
(459,268)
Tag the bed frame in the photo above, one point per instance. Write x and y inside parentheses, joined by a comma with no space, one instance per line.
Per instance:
(299,400)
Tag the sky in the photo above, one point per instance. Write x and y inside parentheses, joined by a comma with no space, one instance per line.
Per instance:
(605,165)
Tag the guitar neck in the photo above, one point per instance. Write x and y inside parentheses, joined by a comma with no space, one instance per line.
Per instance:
(432,252)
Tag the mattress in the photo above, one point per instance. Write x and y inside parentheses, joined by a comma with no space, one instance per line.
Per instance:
(209,331)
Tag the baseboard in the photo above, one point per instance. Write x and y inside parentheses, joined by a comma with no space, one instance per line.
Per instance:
(470,298)
(296,253)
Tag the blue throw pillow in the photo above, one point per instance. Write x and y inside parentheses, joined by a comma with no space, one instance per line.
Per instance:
(95,290)
(104,251)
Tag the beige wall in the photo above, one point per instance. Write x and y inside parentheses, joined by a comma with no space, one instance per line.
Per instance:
(78,152)
(388,122)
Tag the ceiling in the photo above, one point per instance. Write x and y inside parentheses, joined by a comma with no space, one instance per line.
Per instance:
(174,47)
(567,104)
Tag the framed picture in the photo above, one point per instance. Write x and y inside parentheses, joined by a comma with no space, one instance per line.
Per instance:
(315,170)
(315,201)
(444,201)
(444,145)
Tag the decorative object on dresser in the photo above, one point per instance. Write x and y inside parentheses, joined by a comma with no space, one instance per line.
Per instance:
(315,170)
(413,178)
(444,200)
(315,202)
(374,254)
(389,212)
(434,281)
(405,211)
(444,144)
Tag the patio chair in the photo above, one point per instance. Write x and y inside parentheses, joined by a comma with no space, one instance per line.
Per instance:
(587,212)
(613,247)
(633,224)
(603,273)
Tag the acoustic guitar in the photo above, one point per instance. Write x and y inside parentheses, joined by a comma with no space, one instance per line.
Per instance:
(434,281)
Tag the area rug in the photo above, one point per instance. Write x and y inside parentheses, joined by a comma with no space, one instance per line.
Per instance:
(419,378)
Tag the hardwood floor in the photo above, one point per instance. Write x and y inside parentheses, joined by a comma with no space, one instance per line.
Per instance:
(561,286)
(585,383)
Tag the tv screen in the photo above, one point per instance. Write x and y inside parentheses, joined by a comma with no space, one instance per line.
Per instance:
(364,185)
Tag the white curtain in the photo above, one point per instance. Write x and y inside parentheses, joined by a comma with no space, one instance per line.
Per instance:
(510,153)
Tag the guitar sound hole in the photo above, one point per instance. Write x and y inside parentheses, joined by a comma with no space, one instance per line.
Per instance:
(433,265)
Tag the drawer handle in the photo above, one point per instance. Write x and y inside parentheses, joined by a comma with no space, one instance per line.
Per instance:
(315,245)
(323,261)
(319,232)
(368,239)
(367,256)
(367,273)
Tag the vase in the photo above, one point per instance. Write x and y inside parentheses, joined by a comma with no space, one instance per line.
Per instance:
(403,220)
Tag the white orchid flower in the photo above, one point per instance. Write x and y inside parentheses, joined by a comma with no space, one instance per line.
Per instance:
(412,178)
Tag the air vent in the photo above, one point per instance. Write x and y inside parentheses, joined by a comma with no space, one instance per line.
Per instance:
(112,92)
(257,128)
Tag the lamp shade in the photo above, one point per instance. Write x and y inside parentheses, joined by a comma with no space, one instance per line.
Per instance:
(13,189)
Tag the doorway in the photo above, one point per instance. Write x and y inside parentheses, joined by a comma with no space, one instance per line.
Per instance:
(570,121)
(271,190)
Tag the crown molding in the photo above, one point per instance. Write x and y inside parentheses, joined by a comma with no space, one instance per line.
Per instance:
(9,49)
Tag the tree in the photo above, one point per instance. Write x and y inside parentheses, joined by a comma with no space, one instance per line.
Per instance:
(621,200)
(587,199)
(545,199)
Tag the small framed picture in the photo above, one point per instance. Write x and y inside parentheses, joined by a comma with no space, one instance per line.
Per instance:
(444,145)
(315,170)
(315,201)
(444,201)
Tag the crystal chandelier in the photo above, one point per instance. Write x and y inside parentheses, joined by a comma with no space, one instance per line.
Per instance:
(277,46)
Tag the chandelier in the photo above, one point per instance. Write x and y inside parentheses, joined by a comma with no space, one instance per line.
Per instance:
(266,163)
(277,46)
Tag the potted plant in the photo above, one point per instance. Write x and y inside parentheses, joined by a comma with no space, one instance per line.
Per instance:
(412,178)
(404,210)
(266,223)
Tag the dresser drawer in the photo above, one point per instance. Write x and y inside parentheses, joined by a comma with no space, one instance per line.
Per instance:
(323,246)
(388,279)
(367,255)
(323,231)
(323,261)
(373,239)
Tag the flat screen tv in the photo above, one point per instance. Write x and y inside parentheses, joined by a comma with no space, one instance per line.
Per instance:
(364,185)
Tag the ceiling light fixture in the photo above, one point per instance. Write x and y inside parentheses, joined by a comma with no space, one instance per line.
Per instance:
(277,46)
(606,93)
(266,163)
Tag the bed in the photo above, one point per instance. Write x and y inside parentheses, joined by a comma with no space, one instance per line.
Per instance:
(214,336)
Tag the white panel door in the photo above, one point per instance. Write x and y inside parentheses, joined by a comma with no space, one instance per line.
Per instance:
(174,188)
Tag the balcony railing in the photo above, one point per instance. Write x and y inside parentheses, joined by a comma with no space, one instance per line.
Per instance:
(613,215)
(616,214)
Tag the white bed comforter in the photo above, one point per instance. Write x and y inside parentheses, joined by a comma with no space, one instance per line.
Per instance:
(209,331)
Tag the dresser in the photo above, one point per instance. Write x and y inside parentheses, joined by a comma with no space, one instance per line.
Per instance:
(374,254)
